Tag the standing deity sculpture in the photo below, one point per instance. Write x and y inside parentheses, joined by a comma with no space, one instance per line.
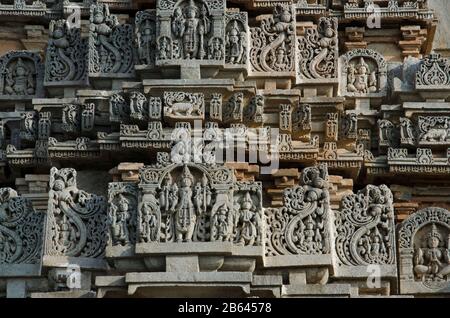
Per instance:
(19,79)
(191,24)
(150,224)
(433,260)
(185,214)
(146,37)
(120,220)
(236,44)
(222,223)
(248,222)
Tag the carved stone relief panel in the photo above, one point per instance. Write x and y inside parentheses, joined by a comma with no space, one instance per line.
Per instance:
(145,37)
(302,226)
(237,37)
(76,222)
(365,229)
(273,43)
(21,230)
(21,75)
(66,58)
(424,252)
(111,48)
(184,106)
(318,50)
(191,30)
(364,73)
(122,213)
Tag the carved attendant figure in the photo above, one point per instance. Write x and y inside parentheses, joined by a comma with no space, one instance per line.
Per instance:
(235,40)
(120,219)
(249,219)
(150,224)
(432,261)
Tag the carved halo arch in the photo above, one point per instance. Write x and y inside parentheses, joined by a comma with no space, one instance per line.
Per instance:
(409,228)
(381,71)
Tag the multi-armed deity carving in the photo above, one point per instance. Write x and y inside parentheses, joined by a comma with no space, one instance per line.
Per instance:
(66,58)
(145,35)
(302,226)
(434,71)
(122,213)
(76,220)
(365,228)
(273,43)
(21,229)
(191,30)
(197,203)
(21,75)
(236,38)
(318,50)
(111,49)
(363,73)
(424,250)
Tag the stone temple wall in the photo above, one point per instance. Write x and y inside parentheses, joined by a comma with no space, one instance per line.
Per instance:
(244,148)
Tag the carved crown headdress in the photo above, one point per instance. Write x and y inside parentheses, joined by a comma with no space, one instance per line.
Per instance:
(362,62)
(434,233)
(187,174)
(247,202)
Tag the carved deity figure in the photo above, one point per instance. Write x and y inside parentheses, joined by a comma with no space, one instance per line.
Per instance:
(138,104)
(249,220)
(146,39)
(19,79)
(191,25)
(223,224)
(6,248)
(120,220)
(433,261)
(359,80)
(185,214)
(150,224)
(235,44)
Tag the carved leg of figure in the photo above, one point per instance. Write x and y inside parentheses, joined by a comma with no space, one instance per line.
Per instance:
(421,270)
(444,272)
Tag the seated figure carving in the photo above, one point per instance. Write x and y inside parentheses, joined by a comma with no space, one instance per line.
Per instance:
(359,79)
(19,79)
(432,261)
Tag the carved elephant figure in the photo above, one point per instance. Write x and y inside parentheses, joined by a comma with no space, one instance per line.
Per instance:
(437,134)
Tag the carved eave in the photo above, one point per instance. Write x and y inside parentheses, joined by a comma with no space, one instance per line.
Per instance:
(132,137)
(69,150)
(408,10)
(24,158)
(308,9)
(424,163)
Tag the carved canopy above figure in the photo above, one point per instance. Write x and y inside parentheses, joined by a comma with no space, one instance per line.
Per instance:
(364,74)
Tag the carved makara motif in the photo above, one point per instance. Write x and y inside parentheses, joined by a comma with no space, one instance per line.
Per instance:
(424,248)
(122,213)
(21,74)
(66,58)
(318,50)
(111,49)
(302,225)
(236,38)
(386,133)
(434,71)
(365,228)
(21,229)
(255,110)
(145,35)
(184,105)
(76,220)
(273,43)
